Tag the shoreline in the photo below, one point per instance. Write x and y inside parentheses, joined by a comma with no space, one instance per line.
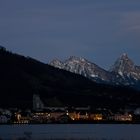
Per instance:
(76,122)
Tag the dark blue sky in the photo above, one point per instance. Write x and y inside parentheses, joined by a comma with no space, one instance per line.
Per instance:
(99,30)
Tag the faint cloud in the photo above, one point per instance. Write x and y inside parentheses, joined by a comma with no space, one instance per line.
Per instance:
(130,21)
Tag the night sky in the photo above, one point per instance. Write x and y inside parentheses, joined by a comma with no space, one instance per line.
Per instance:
(98,30)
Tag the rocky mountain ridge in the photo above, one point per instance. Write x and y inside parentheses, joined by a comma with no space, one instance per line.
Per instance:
(123,72)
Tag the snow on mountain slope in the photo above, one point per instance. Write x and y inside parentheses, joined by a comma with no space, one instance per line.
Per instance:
(124,71)
(125,67)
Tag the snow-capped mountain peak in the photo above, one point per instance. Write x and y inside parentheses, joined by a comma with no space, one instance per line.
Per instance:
(124,71)
(123,65)
(83,67)
(124,56)
(75,59)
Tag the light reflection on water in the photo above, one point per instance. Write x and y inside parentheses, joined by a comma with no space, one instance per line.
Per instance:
(70,132)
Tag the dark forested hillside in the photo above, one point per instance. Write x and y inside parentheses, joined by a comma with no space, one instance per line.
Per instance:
(21,77)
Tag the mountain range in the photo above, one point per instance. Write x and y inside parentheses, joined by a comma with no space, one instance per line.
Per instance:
(21,77)
(123,72)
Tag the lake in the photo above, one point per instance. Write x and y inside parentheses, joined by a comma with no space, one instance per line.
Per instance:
(70,132)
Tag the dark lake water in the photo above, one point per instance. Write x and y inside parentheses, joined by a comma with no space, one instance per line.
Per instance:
(70,132)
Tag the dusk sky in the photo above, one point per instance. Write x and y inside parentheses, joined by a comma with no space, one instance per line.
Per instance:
(98,30)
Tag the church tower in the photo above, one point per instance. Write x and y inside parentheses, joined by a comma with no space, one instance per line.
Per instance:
(37,103)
